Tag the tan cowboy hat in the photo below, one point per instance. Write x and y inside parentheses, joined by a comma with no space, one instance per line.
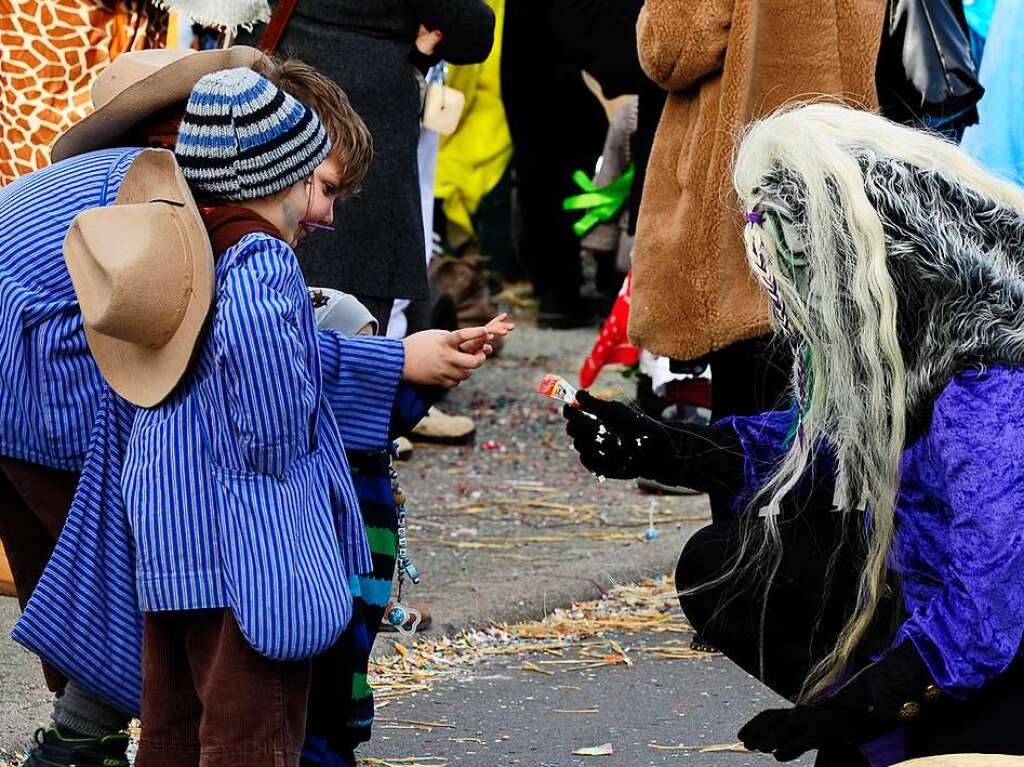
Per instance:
(965,760)
(138,84)
(143,273)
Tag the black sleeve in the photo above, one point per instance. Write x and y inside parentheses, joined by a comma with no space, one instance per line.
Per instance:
(706,458)
(466,26)
(892,690)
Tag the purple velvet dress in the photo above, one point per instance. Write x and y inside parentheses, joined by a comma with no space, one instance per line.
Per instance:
(959,544)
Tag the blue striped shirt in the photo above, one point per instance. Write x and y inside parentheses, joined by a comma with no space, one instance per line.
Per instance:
(235,486)
(49,384)
(226,509)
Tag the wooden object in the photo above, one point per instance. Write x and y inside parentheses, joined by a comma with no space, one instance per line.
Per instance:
(6,579)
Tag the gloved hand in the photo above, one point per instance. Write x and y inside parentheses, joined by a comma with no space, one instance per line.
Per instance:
(877,699)
(790,732)
(614,440)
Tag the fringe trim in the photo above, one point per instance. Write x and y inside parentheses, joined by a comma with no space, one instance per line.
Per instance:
(213,16)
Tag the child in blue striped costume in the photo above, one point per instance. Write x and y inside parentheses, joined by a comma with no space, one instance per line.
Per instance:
(341,707)
(236,486)
(107,660)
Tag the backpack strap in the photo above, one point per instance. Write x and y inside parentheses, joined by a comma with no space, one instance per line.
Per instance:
(276,25)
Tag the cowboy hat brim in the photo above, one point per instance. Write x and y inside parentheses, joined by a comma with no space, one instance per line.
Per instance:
(168,85)
(145,376)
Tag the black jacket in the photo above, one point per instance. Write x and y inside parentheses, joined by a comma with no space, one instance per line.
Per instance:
(367,47)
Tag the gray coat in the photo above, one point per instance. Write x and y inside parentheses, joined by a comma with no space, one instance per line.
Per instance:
(367,47)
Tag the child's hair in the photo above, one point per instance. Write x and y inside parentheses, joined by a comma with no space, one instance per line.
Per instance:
(351,144)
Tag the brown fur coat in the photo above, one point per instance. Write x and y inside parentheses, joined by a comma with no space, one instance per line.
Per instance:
(724,63)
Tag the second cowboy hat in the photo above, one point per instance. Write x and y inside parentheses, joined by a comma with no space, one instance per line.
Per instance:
(144,277)
(141,83)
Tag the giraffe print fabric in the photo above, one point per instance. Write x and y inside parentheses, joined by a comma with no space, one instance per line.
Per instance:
(50,53)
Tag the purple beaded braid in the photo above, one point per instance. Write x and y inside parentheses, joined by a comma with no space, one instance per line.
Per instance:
(782,318)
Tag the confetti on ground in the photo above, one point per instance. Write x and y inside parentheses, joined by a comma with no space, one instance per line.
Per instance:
(389,723)
(605,749)
(701,749)
(567,641)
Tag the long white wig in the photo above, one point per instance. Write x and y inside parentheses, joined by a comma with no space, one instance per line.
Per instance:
(892,261)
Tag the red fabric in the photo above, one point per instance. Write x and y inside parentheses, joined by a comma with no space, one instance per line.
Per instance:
(692,391)
(612,346)
(227,224)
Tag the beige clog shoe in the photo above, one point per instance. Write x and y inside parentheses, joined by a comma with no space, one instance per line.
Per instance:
(440,428)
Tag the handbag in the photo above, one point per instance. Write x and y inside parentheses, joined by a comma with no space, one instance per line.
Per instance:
(442,105)
(925,69)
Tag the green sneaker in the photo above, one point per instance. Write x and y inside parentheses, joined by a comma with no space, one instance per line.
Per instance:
(54,749)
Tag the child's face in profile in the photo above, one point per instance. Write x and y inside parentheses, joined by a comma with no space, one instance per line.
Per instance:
(365,330)
(323,190)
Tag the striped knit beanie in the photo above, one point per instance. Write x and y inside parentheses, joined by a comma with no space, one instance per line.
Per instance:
(243,138)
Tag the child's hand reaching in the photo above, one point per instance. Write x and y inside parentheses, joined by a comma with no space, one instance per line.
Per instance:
(499,326)
(432,357)
(440,358)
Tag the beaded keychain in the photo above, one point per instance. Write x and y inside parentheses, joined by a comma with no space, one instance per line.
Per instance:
(398,614)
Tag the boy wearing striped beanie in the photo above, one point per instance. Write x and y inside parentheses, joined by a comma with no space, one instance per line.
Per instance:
(243,514)
(245,520)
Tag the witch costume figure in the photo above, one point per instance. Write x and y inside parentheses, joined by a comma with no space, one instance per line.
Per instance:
(872,571)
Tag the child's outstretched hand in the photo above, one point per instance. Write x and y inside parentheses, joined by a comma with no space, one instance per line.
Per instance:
(499,326)
(434,358)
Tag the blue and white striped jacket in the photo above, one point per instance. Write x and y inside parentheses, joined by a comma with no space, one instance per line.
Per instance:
(237,484)
(49,384)
(227,508)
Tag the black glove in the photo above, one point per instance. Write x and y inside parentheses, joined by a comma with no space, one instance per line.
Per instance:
(879,698)
(615,441)
(788,733)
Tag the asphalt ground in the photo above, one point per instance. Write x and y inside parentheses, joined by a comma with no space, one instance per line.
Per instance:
(656,712)
(511,528)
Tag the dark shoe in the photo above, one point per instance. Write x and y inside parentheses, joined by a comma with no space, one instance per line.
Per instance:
(700,644)
(57,749)
(566,314)
(316,752)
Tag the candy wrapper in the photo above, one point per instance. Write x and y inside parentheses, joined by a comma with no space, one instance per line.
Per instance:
(558,388)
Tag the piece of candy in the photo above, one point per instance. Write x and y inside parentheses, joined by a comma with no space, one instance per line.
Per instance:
(556,387)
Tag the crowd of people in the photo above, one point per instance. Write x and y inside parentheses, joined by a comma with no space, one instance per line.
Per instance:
(246,248)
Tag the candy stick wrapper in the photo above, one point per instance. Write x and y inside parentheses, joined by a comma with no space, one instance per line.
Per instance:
(558,388)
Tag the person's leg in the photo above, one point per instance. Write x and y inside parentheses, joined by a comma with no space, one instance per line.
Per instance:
(253,708)
(29,535)
(810,597)
(341,707)
(34,503)
(171,709)
(80,712)
(557,127)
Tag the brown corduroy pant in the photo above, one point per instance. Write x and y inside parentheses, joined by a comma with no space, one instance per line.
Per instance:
(210,700)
